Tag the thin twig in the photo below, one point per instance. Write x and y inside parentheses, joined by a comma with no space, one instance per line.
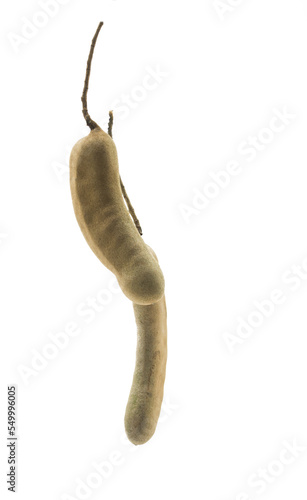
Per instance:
(86,115)
(110,124)
(130,207)
(124,192)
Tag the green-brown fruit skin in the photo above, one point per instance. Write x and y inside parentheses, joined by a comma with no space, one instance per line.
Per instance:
(105,221)
(146,395)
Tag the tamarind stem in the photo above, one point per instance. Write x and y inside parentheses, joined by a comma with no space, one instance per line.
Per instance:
(92,124)
(110,124)
(124,192)
(85,112)
(130,207)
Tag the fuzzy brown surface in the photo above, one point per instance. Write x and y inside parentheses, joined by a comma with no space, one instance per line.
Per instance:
(105,221)
(146,395)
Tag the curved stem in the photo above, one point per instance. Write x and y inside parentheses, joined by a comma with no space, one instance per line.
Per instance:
(85,112)
(130,207)
(124,192)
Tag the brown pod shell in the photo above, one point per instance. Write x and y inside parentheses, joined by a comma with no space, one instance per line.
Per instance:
(146,395)
(105,221)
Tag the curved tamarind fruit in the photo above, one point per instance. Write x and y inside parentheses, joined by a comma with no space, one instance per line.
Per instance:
(97,194)
(146,395)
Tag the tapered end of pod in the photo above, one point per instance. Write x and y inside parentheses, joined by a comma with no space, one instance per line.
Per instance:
(146,395)
(139,429)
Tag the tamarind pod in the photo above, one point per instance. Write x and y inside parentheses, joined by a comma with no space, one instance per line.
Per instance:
(105,221)
(146,395)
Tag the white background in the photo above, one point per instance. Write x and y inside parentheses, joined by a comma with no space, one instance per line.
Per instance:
(226,415)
